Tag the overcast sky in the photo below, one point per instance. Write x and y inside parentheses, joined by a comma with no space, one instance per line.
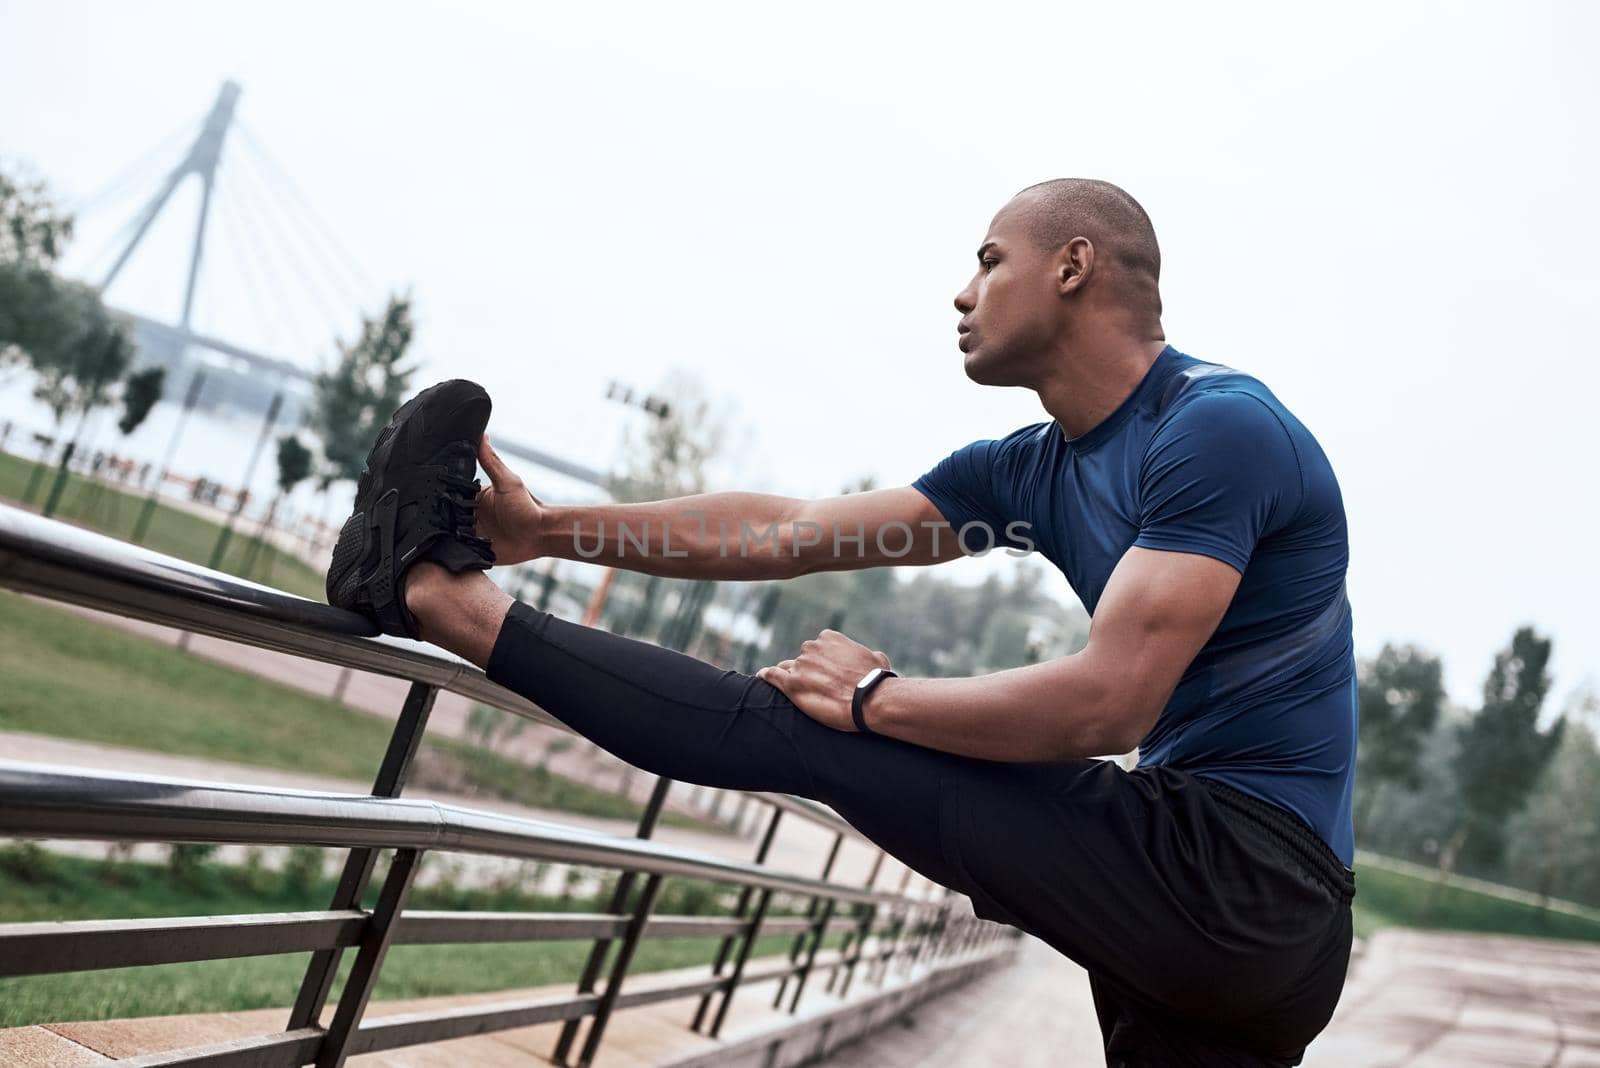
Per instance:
(1385,212)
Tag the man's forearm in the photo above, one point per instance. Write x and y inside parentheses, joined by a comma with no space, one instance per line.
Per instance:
(1046,712)
(728,536)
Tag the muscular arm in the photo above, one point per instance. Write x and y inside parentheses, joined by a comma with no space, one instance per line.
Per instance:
(727,536)
(753,535)
(1216,477)
(1157,611)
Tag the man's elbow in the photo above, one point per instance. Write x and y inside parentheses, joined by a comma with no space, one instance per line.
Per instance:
(1123,719)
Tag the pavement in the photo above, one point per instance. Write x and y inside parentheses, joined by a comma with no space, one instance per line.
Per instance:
(1418,999)
(1443,999)
(1037,1012)
(636,1038)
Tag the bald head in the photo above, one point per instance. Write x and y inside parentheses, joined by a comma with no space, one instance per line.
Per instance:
(1055,212)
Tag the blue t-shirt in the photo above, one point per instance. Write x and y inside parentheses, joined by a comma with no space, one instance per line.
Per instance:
(1200,459)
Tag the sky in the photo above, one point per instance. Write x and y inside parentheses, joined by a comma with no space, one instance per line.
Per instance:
(1385,212)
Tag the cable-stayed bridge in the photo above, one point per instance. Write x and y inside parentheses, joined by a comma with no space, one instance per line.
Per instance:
(292,264)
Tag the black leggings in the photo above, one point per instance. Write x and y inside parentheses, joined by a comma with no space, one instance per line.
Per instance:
(1215,927)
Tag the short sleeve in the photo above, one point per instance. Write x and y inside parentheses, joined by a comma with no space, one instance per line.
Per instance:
(974,489)
(1216,477)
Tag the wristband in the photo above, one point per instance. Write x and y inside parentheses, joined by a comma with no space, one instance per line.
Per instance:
(868,682)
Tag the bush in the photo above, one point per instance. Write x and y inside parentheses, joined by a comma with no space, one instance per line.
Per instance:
(31,863)
(302,871)
(690,897)
(186,864)
(252,876)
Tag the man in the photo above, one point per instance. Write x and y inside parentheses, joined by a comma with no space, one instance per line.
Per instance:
(1208,891)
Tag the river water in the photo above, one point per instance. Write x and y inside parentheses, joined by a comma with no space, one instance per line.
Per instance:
(215,445)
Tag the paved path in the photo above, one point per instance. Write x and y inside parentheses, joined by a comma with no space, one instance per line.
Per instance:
(1418,999)
(637,1037)
(1434,999)
(1033,1014)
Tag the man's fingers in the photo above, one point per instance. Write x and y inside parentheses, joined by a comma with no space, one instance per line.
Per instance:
(777,675)
(499,474)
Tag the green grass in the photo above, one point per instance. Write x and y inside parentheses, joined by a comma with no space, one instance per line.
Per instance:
(1386,898)
(172,531)
(36,885)
(74,678)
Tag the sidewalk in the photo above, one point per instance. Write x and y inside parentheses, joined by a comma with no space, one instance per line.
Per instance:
(636,1038)
(1035,1014)
(1444,999)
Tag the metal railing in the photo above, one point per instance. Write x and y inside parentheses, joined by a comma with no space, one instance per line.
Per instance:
(63,563)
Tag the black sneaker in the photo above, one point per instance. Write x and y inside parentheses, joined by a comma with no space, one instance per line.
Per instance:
(414,501)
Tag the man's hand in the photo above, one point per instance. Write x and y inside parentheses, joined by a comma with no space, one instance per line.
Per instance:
(821,681)
(1157,612)
(507,514)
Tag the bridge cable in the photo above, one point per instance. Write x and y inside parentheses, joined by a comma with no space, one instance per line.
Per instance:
(337,255)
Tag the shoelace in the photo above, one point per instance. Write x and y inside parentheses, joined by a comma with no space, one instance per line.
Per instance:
(458,505)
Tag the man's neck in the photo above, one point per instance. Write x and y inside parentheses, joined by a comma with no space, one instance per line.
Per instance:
(1086,383)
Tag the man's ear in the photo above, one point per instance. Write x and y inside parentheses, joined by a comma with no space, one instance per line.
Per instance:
(1074,264)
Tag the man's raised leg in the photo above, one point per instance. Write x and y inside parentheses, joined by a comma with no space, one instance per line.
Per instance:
(673,715)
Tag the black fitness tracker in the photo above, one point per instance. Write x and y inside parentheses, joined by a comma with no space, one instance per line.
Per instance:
(868,682)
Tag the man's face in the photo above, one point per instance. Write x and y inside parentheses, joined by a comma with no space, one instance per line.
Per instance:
(1012,308)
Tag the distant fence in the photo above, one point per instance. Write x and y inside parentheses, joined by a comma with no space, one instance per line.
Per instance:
(880,927)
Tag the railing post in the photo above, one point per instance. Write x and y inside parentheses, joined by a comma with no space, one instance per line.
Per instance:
(885,957)
(816,943)
(880,967)
(750,935)
(744,904)
(619,901)
(811,914)
(358,864)
(932,942)
(619,970)
(369,959)
(860,934)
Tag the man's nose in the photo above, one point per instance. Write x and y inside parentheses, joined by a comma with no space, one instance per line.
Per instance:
(966,300)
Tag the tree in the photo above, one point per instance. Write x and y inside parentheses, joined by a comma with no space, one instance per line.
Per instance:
(87,354)
(1502,750)
(33,229)
(56,328)
(1398,698)
(1554,843)
(294,467)
(139,394)
(1415,823)
(294,463)
(354,398)
(681,439)
(33,232)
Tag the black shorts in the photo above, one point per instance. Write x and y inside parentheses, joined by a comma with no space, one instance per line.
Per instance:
(1215,927)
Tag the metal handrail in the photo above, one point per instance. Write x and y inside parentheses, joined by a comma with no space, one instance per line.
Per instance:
(44,801)
(66,563)
(54,560)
